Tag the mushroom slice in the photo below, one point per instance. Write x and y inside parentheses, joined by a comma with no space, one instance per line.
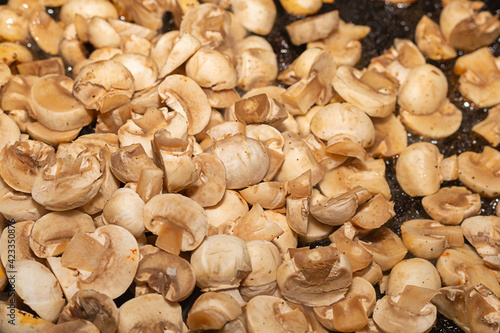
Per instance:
(39,132)
(98,90)
(9,131)
(256,16)
(150,183)
(313,28)
(372,92)
(221,262)
(418,169)
(289,238)
(374,213)
(315,277)
(87,9)
(52,232)
(142,68)
(483,232)
(45,31)
(409,311)
(359,303)
(128,163)
(180,222)
(230,208)
(478,171)
(185,46)
(12,52)
(450,205)
(211,69)
(16,92)
(413,272)
(167,274)
(41,68)
(254,226)
(272,314)
(438,125)
(23,161)
(93,307)
(466,28)
(77,326)
(20,206)
(270,195)
(385,246)
(211,311)
(13,320)
(260,109)
(431,41)
(209,189)
(125,208)
(221,99)
(488,128)
(20,233)
(428,238)
(344,240)
(151,313)
(38,288)
(14,24)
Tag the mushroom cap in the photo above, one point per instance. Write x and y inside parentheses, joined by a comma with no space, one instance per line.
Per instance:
(313,28)
(87,9)
(125,208)
(212,310)
(142,68)
(211,184)
(221,262)
(256,16)
(211,69)
(128,162)
(265,260)
(231,207)
(431,41)
(416,272)
(478,171)
(483,232)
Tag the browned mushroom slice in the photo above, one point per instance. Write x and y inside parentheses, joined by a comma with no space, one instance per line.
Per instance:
(315,277)
(345,240)
(128,162)
(374,213)
(431,41)
(466,28)
(450,205)
(209,189)
(180,222)
(415,272)
(488,128)
(14,24)
(313,28)
(289,238)
(167,274)
(20,206)
(270,195)
(16,92)
(254,226)
(260,109)
(256,16)
(93,307)
(479,171)
(221,262)
(45,31)
(385,246)
(12,52)
(43,67)
(483,232)
(211,311)
(359,303)
(23,161)
(230,208)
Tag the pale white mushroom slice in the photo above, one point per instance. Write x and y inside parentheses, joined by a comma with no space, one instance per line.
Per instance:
(478,171)
(254,226)
(466,28)
(20,206)
(211,311)
(256,16)
(438,125)
(210,187)
(385,246)
(483,232)
(22,161)
(167,274)
(66,114)
(96,89)
(390,137)
(431,41)
(180,223)
(359,303)
(134,43)
(20,233)
(231,207)
(87,9)
(313,28)
(270,195)
(38,288)
(162,46)
(184,47)
(489,127)
(125,208)
(418,169)
(13,320)
(93,307)
(101,34)
(128,162)
(142,68)
(221,262)
(415,272)
(314,277)
(288,239)
(409,311)
(479,77)
(52,232)
(150,312)
(260,109)
(450,205)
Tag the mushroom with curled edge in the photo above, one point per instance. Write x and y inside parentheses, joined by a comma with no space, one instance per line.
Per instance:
(385,246)
(345,239)
(270,195)
(374,213)
(98,90)
(211,69)
(128,163)
(221,262)
(289,237)
(431,41)
(313,28)
(414,272)
(359,302)
(479,171)
(142,68)
(38,288)
(23,321)
(466,28)
(52,232)
(488,128)
(343,43)
(211,311)
(150,312)
(231,207)
(372,92)
(338,209)
(483,232)
(211,33)
(254,226)
(78,326)
(94,307)
(22,161)
(314,277)
(167,274)
(210,186)
(125,208)
(272,314)
(260,109)
(462,265)
(473,309)
(450,205)
(257,16)
(428,238)
(409,311)
(265,258)
(21,232)
(418,169)
(180,223)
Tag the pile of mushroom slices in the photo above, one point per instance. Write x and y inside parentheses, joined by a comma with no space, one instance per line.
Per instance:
(187,183)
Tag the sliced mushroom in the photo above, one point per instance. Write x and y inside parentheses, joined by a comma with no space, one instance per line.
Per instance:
(20,206)
(299,7)
(101,34)
(128,162)
(256,16)
(414,272)
(11,52)
(150,183)
(41,68)
(180,51)
(345,240)
(313,28)
(93,307)
(374,213)
(13,320)
(45,31)
(385,246)
(20,233)
(76,326)
(87,9)
(125,208)
(478,171)
(270,195)
(210,187)
(230,208)
(260,109)
(450,205)
(483,232)
(142,68)
(16,92)
(254,226)
(431,41)
(286,240)
(488,127)
(211,311)
(14,24)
